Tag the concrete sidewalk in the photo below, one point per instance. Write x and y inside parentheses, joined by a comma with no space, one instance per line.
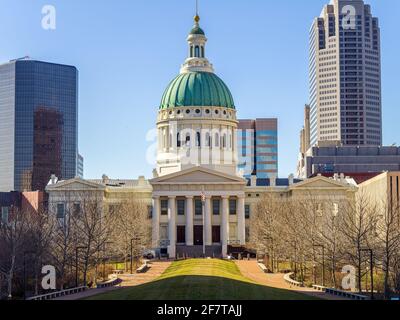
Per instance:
(251,270)
(128,280)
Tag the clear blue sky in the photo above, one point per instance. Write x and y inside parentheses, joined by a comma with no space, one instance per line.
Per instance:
(127,51)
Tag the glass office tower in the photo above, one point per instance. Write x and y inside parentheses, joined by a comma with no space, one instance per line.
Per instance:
(258,148)
(38,124)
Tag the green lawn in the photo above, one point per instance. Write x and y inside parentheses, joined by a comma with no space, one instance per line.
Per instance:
(201,279)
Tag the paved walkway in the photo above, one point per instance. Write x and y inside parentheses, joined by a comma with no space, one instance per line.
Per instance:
(251,270)
(128,280)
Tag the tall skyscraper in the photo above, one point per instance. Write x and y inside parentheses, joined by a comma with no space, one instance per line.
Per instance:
(345,75)
(38,124)
(258,148)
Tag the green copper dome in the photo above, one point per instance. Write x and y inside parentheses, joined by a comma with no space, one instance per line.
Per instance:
(197,30)
(197,89)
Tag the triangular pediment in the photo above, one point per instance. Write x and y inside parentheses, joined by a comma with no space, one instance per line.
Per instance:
(320,182)
(198,175)
(75,184)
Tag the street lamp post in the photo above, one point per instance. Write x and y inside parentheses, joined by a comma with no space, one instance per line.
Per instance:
(371,266)
(76,265)
(323,262)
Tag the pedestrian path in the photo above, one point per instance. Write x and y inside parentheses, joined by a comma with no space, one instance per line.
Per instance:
(252,271)
(128,280)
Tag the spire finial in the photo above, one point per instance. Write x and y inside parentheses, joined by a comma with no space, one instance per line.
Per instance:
(197,17)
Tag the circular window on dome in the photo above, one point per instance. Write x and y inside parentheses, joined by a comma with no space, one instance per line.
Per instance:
(198,111)
(178,112)
(187,111)
(216,112)
(208,111)
(170,113)
(225,112)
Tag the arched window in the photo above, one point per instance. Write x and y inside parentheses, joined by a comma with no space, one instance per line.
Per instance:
(217,140)
(208,140)
(198,139)
(224,141)
(202,52)
(191,51)
(187,142)
(197,51)
(178,140)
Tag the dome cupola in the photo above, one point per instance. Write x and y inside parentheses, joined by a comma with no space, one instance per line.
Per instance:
(197,85)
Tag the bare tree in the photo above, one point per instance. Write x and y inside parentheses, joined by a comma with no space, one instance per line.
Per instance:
(388,238)
(93,226)
(358,231)
(132,232)
(12,239)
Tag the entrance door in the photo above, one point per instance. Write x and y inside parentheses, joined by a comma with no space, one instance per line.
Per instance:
(198,235)
(180,234)
(216,234)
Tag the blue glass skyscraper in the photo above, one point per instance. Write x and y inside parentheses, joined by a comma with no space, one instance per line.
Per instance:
(258,148)
(38,124)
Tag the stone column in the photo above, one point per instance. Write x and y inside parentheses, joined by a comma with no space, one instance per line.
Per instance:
(156,222)
(225,226)
(241,219)
(172,227)
(208,222)
(189,221)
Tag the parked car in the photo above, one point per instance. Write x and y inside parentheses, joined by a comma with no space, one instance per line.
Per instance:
(149,254)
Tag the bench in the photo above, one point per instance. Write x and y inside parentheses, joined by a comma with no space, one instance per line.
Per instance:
(143,268)
(118,271)
(263,267)
(110,283)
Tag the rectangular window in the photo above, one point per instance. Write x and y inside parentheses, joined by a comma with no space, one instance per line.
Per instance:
(247,211)
(216,207)
(77,208)
(181,207)
(60,211)
(232,207)
(5,212)
(198,207)
(164,207)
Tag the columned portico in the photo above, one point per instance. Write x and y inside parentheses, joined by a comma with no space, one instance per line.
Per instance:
(200,223)
(241,221)
(207,222)
(156,222)
(189,220)
(225,225)
(172,226)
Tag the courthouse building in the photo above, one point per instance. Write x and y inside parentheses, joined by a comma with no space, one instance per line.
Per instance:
(200,201)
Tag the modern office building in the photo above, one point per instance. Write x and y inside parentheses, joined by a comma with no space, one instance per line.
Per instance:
(345,75)
(350,161)
(258,148)
(38,124)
